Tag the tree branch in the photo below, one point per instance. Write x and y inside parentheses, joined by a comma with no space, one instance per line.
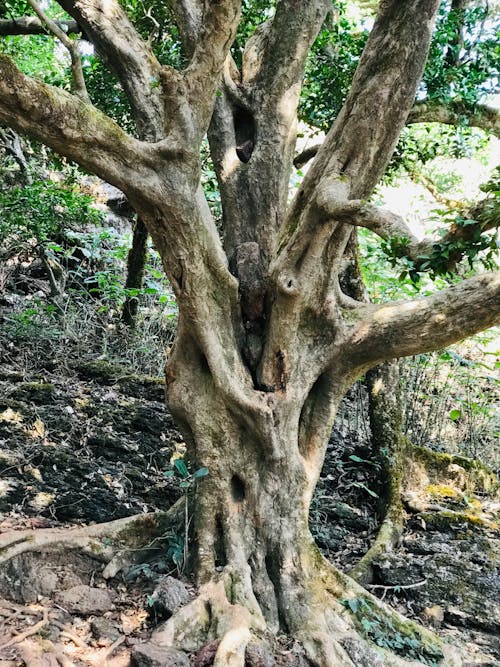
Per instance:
(481,116)
(276,53)
(108,27)
(392,227)
(30,25)
(188,16)
(69,126)
(203,75)
(402,328)
(71,46)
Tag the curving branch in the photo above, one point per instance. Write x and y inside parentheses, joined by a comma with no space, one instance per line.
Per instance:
(405,328)
(108,27)
(66,124)
(481,116)
(31,25)
(391,227)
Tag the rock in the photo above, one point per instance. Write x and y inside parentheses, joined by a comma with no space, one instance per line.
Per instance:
(205,656)
(258,654)
(168,596)
(85,600)
(152,655)
(104,631)
(433,616)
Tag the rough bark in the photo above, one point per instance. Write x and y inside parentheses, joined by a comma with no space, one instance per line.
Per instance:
(259,418)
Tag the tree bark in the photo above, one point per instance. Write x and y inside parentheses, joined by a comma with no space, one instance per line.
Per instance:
(259,420)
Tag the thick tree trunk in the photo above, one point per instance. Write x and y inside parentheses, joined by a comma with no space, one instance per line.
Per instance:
(255,560)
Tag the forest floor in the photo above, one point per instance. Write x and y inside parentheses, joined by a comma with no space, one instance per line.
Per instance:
(84,440)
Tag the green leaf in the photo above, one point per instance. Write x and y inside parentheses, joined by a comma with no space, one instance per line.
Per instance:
(180,466)
(353,605)
(201,472)
(455,414)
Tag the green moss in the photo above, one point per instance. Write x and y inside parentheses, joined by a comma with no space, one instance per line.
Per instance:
(442,490)
(479,476)
(36,392)
(449,519)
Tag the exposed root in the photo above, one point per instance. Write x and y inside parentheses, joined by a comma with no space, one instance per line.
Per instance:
(27,633)
(332,632)
(387,538)
(118,543)
(225,609)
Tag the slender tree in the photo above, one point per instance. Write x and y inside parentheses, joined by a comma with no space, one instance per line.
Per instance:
(268,342)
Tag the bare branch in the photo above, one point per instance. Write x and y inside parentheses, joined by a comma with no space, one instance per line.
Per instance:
(405,328)
(30,25)
(481,116)
(69,126)
(108,27)
(72,47)
(304,156)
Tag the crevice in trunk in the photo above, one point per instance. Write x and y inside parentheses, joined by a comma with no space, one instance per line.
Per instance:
(238,491)
(245,133)
(272,562)
(219,546)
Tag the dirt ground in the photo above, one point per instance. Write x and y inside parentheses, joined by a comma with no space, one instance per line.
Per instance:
(83,440)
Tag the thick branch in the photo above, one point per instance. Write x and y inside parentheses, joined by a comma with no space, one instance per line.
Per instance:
(188,16)
(69,126)
(402,329)
(131,59)
(481,116)
(275,55)
(30,25)
(203,76)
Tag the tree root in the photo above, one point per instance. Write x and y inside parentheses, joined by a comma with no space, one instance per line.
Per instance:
(331,632)
(118,543)
(426,470)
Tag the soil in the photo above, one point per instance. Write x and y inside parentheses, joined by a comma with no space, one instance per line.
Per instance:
(84,440)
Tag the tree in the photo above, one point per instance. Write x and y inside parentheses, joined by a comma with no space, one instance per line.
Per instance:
(268,341)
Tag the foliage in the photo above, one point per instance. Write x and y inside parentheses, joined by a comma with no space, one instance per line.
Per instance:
(42,212)
(403,639)
(450,400)
(331,65)
(463,72)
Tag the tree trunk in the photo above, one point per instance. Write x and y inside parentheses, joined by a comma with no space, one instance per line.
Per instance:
(255,560)
(136,262)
